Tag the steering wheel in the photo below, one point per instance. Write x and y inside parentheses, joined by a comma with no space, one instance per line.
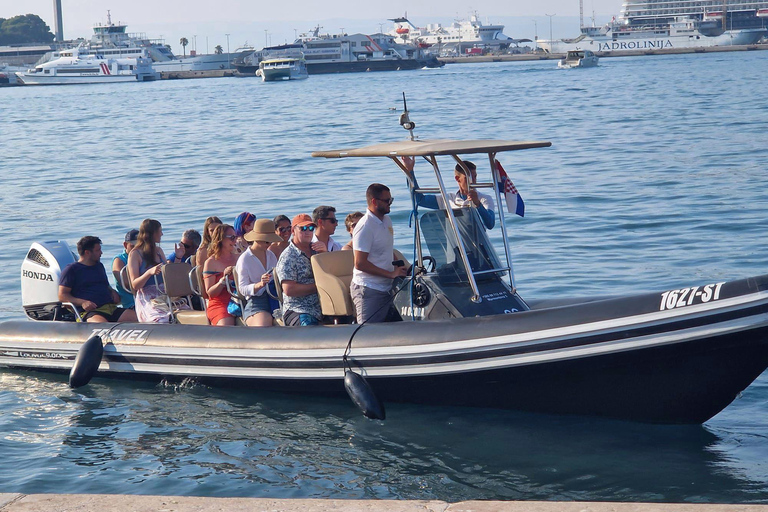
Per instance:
(431,260)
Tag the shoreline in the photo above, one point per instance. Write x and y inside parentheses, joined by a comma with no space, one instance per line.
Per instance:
(17,502)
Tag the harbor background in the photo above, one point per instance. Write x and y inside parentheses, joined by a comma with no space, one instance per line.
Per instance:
(655,181)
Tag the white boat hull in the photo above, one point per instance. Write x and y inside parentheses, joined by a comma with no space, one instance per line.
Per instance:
(278,75)
(693,40)
(34,79)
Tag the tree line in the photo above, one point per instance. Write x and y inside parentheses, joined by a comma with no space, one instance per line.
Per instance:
(25,28)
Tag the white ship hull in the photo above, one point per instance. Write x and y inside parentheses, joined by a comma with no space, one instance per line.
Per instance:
(198,63)
(646,41)
(28,79)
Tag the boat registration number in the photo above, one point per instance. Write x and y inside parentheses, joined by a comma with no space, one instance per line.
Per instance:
(688,296)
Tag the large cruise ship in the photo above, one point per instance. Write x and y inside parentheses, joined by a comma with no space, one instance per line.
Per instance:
(649,25)
(454,38)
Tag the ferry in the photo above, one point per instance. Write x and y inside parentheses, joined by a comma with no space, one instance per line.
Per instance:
(112,40)
(647,26)
(73,68)
(272,70)
(455,38)
(467,336)
(344,53)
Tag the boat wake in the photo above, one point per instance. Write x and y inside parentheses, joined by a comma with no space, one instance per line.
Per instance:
(184,384)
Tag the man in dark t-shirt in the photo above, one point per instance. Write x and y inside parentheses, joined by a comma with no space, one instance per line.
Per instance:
(84,283)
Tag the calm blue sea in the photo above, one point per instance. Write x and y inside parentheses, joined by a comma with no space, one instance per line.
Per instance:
(655,180)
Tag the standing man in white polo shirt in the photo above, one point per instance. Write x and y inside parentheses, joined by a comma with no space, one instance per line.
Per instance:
(373,240)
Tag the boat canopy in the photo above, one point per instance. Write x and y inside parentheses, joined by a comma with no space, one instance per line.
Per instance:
(454,237)
(428,148)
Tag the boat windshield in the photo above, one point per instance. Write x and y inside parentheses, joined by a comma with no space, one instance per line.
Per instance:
(443,246)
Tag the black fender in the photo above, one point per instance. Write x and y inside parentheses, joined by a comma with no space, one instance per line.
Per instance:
(363,396)
(87,362)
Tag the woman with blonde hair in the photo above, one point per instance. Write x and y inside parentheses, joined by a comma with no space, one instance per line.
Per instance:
(145,264)
(217,271)
(202,251)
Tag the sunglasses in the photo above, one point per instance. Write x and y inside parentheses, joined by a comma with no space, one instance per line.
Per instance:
(388,201)
(332,220)
(231,237)
(309,228)
(186,246)
(352,226)
(285,229)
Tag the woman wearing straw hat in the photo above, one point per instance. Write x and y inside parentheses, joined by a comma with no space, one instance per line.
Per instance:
(254,271)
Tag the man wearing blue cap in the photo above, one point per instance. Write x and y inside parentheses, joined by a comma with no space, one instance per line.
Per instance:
(120,261)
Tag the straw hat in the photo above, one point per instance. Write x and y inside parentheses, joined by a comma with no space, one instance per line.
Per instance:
(263,231)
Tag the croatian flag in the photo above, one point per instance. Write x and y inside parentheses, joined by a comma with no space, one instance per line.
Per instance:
(515,202)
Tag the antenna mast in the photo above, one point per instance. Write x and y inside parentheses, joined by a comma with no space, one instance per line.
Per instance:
(405,121)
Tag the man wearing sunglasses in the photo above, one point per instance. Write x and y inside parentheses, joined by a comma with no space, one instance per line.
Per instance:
(301,304)
(373,242)
(190,240)
(325,219)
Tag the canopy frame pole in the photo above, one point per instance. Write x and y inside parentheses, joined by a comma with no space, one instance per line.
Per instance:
(417,229)
(452,220)
(503,220)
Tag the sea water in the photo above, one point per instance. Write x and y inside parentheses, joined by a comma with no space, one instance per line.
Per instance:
(655,180)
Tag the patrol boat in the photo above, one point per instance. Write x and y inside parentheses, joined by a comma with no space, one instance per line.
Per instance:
(468,338)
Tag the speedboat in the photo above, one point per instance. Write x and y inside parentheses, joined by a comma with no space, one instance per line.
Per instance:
(467,336)
(578,59)
(72,67)
(286,68)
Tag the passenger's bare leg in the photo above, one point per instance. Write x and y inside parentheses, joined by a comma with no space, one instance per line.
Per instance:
(260,319)
(129,315)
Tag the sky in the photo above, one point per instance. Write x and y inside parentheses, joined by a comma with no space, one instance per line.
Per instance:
(271,23)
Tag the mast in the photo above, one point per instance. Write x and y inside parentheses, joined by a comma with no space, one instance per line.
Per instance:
(581,14)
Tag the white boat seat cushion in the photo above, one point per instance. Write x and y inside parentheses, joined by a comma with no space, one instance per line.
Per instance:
(333,274)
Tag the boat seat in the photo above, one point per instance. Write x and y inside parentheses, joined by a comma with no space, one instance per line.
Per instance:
(178,289)
(196,285)
(192,317)
(125,280)
(237,296)
(333,274)
(279,290)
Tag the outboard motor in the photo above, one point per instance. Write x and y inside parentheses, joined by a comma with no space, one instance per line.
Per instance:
(40,274)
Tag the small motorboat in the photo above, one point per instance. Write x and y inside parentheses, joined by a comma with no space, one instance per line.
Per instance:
(578,59)
(467,337)
(285,68)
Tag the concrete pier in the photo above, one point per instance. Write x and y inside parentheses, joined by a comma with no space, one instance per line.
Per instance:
(119,503)
(213,73)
